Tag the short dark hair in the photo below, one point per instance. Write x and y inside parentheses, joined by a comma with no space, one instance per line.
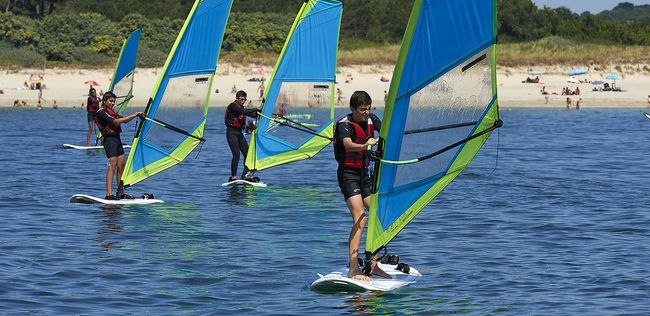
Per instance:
(360,98)
(108,95)
(240,94)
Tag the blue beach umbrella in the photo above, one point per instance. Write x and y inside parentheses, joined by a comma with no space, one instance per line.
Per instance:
(613,77)
(578,71)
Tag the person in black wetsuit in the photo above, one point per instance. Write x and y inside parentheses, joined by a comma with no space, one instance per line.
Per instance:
(235,119)
(108,122)
(352,136)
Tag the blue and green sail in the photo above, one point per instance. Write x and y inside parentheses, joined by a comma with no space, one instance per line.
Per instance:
(122,80)
(177,111)
(441,108)
(298,111)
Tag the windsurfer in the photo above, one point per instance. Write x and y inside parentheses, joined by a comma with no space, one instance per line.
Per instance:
(91,108)
(235,118)
(109,123)
(353,134)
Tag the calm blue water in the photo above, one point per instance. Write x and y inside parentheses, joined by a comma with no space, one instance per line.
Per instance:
(561,227)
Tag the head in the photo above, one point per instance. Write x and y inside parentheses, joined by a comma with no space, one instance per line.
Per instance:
(240,97)
(108,100)
(92,92)
(360,105)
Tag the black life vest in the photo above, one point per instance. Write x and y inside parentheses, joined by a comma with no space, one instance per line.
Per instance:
(353,159)
(235,121)
(110,129)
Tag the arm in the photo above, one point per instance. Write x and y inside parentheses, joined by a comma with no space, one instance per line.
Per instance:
(345,133)
(126,119)
(237,110)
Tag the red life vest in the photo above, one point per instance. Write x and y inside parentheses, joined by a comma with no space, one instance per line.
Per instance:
(93,105)
(238,121)
(110,129)
(353,159)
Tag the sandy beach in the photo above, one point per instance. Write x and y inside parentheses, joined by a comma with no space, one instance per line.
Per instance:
(67,87)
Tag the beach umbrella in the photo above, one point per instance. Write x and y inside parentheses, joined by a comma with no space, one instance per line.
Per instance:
(578,71)
(92,82)
(613,77)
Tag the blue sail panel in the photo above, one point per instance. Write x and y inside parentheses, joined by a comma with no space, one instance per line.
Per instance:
(443,101)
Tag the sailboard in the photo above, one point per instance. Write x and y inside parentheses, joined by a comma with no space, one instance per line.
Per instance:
(71,146)
(176,114)
(244,182)
(297,116)
(89,199)
(442,106)
(338,281)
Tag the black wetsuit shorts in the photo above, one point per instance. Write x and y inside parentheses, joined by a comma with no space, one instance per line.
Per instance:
(353,182)
(90,116)
(113,147)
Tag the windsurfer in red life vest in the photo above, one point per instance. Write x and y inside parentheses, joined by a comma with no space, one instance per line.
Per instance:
(108,122)
(353,134)
(235,119)
(92,106)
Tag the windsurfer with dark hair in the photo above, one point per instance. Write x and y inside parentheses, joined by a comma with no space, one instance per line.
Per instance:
(92,106)
(108,122)
(235,119)
(352,136)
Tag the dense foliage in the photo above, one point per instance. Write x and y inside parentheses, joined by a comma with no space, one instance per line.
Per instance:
(91,32)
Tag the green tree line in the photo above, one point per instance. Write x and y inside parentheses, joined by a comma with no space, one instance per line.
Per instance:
(91,32)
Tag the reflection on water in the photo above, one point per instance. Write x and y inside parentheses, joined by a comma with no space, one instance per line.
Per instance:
(110,225)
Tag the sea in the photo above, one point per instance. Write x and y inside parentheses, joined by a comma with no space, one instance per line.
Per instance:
(551,218)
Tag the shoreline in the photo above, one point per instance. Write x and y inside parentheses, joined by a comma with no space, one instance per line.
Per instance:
(67,87)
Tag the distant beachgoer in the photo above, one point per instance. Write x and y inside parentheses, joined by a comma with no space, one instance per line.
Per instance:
(385,97)
(649,101)
(577,91)
(339,97)
(568,103)
(543,91)
(2,92)
(546,99)
(234,89)
(39,106)
(578,104)
(54,105)
(384,79)
(261,90)
(91,109)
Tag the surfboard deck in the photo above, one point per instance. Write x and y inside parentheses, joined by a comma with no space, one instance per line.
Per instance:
(71,146)
(338,281)
(89,199)
(244,182)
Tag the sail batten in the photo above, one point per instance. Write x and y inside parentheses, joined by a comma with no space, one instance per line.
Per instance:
(177,111)
(441,108)
(301,83)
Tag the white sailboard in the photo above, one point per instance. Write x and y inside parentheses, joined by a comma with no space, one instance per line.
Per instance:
(338,280)
(244,182)
(89,199)
(71,146)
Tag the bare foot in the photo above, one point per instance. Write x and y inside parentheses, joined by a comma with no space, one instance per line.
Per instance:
(378,271)
(360,277)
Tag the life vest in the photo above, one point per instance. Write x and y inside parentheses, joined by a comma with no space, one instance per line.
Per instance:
(93,105)
(353,159)
(238,121)
(110,129)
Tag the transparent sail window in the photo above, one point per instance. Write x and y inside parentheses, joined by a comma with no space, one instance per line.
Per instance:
(183,106)
(301,105)
(122,89)
(456,98)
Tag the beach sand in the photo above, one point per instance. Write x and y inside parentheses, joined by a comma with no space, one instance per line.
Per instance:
(67,87)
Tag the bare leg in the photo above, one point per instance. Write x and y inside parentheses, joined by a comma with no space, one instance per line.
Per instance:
(374,268)
(120,169)
(90,132)
(112,165)
(355,205)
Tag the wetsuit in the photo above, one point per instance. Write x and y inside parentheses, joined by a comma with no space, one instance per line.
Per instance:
(111,133)
(235,119)
(352,173)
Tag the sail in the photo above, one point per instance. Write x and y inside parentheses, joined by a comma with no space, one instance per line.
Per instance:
(178,107)
(442,107)
(298,112)
(122,81)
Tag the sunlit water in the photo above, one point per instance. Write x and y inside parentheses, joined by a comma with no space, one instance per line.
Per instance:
(561,227)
